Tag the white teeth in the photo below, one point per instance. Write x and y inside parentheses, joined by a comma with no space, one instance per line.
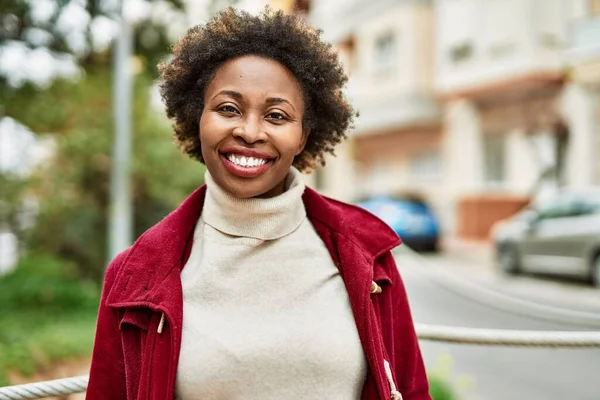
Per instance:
(246,161)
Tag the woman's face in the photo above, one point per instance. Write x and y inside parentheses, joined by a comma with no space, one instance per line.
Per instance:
(251,126)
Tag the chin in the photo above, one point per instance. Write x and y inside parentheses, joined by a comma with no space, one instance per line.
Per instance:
(246,190)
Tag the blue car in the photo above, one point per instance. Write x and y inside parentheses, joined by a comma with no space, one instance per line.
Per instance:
(410,218)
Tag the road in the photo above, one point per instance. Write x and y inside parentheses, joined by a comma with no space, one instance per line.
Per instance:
(498,373)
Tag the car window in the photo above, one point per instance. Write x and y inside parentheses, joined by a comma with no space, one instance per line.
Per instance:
(565,205)
(587,206)
(560,207)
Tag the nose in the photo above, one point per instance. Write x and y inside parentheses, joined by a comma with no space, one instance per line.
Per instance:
(250,130)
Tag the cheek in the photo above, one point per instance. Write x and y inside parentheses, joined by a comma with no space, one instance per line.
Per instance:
(201,135)
(292,144)
(207,132)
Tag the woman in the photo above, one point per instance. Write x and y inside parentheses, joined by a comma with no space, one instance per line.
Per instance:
(257,287)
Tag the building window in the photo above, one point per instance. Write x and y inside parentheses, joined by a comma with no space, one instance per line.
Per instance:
(494,159)
(426,166)
(461,52)
(385,53)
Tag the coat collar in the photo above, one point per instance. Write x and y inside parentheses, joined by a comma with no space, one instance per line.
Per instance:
(360,227)
(162,247)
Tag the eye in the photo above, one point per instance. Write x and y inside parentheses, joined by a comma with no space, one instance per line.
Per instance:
(276,116)
(228,109)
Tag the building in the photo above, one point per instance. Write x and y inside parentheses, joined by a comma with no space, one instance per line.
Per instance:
(387,49)
(582,100)
(513,123)
(198,11)
(481,107)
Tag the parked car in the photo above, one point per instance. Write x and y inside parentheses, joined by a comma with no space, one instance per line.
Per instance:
(560,237)
(410,217)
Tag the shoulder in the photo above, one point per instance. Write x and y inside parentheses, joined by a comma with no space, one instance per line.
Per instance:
(113,269)
(351,221)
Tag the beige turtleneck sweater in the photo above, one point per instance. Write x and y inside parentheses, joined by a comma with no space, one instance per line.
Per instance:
(265,312)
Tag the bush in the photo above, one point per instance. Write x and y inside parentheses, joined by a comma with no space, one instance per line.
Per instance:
(41,282)
(46,315)
(439,389)
(72,187)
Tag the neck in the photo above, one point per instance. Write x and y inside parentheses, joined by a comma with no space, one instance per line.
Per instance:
(275,191)
(261,218)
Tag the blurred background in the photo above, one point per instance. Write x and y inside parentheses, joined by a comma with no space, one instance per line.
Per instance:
(478,141)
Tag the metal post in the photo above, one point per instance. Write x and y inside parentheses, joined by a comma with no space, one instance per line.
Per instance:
(121,220)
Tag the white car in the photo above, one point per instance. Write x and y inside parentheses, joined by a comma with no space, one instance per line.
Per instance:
(560,237)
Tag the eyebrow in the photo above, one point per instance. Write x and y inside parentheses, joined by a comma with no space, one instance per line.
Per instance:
(231,93)
(238,96)
(277,100)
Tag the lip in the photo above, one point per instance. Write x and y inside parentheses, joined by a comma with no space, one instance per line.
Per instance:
(244,151)
(245,172)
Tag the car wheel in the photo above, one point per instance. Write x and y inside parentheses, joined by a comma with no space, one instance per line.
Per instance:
(433,246)
(508,260)
(596,272)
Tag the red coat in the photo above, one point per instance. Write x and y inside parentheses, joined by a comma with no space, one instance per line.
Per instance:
(138,336)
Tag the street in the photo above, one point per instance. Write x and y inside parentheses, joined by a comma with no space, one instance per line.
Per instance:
(498,373)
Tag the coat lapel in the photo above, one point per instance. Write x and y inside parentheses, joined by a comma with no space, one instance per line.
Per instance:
(357,271)
(355,239)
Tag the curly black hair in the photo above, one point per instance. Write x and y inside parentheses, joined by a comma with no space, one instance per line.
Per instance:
(287,39)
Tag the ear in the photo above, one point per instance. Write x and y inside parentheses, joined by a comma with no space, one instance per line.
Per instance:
(303,141)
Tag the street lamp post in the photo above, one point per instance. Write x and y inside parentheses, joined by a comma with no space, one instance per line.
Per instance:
(121,220)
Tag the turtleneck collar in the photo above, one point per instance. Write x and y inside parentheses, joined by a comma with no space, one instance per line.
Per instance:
(264,219)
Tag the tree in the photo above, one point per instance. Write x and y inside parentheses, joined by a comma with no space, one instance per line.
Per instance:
(72,190)
(80,32)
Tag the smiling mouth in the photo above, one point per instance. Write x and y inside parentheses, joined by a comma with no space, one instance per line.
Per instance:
(246,162)
(245,166)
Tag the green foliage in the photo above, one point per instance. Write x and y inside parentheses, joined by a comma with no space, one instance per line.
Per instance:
(13,191)
(73,189)
(48,304)
(44,282)
(444,384)
(47,314)
(151,39)
(439,389)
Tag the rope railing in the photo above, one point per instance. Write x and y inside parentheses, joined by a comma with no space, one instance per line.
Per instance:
(446,334)
(457,335)
(39,390)
(512,338)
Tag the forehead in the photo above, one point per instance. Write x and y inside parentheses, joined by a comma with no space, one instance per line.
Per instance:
(254,75)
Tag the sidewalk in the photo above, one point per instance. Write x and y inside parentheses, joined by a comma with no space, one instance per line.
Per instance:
(475,262)
(478,254)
